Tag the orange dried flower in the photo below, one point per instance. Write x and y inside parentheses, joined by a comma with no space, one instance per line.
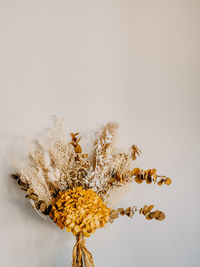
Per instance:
(79,210)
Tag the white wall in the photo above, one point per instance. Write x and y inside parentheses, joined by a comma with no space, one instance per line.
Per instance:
(136,62)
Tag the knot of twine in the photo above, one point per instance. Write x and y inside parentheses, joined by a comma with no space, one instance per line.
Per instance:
(81,256)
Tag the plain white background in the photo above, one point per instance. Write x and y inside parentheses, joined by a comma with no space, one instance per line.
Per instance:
(135,62)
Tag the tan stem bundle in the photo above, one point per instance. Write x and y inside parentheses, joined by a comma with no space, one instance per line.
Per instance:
(81,256)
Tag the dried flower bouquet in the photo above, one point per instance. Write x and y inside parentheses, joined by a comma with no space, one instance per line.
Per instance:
(77,190)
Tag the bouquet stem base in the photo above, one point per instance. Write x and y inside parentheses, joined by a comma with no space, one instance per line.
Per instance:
(81,256)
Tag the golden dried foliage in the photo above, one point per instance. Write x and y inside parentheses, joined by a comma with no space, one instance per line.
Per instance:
(79,210)
(149,214)
(149,176)
(60,166)
(130,211)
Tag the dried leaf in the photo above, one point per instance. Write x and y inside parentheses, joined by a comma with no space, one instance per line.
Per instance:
(155,214)
(114,214)
(78,149)
(160,182)
(168,181)
(121,211)
(150,208)
(148,179)
(161,216)
(43,207)
(141,211)
(21,183)
(128,211)
(135,171)
(84,156)
(33,196)
(145,208)
(148,217)
(23,188)
(15,176)
(154,177)
(153,171)
(131,213)
(30,191)
(138,179)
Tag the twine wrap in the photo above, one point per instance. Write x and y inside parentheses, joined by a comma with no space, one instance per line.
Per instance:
(81,256)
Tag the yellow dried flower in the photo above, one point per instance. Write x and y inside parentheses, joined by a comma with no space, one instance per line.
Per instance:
(79,210)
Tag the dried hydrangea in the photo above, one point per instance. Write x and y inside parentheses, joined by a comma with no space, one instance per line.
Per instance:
(79,210)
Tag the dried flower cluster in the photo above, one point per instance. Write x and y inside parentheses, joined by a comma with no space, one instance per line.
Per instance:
(76,190)
(79,210)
